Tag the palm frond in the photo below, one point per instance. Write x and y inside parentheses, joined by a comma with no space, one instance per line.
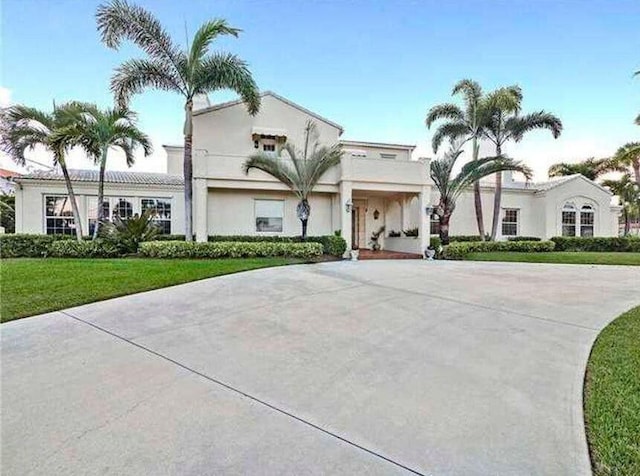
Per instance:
(133,76)
(452,131)
(637,121)
(444,111)
(274,166)
(517,126)
(227,71)
(23,128)
(205,35)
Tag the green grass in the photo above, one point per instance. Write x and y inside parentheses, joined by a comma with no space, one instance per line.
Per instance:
(35,286)
(567,257)
(612,398)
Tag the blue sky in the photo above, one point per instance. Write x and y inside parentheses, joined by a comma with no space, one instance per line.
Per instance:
(375,67)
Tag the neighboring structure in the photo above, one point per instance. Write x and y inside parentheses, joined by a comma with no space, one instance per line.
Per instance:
(7,184)
(376,185)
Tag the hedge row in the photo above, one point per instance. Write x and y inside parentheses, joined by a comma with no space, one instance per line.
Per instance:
(221,249)
(83,249)
(28,246)
(524,238)
(460,250)
(576,243)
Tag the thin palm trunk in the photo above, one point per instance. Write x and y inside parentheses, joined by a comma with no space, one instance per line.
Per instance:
(188,171)
(477,198)
(627,221)
(497,200)
(72,198)
(100,211)
(444,228)
(304,229)
(636,171)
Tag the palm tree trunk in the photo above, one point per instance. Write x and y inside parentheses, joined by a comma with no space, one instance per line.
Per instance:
(100,212)
(188,171)
(636,170)
(304,229)
(497,200)
(72,198)
(476,194)
(627,221)
(444,228)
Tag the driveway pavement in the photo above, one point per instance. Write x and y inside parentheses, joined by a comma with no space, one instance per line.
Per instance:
(387,367)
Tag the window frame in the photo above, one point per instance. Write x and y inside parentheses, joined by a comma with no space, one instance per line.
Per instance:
(161,222)
(567,208)
(590,210)
(515,224)
(46,216)
(256,217)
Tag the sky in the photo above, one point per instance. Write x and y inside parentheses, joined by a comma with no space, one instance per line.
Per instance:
(375,67)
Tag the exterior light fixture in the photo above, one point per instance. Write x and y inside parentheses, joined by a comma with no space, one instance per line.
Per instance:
(428,210)
(376,214)
(348,206)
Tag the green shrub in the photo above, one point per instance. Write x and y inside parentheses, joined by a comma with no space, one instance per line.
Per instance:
(464,238)
(577,243)
(83,249)
(411,232)
(168,238)
(222,249)
(460,250)
(331,244)
(28,246)
(435,242)
(524,238)
(127,233)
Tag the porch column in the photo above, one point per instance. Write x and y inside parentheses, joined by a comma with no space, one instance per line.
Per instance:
(424,221)
(404,213)
(345,216)
(200,199)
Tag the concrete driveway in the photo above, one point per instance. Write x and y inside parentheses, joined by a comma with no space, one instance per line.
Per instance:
(387,367)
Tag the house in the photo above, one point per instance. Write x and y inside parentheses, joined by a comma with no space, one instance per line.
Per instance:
(7,184)
(376,184)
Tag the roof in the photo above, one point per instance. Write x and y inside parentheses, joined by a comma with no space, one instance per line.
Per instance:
(380,145)
(8,173)
(276,96)
(547,185)
(111,176)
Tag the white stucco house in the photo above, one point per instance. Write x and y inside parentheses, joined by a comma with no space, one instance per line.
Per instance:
(375,185)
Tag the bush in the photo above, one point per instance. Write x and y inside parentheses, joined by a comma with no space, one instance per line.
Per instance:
(28,246)
(168,238)
(127,233)
(464,238)
(524,238)
(411,232)
(83,249)
(460,250)
(435,242)
(331,244)
(222,249)
(577,243)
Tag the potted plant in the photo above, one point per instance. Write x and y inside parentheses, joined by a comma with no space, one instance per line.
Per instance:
(355,252)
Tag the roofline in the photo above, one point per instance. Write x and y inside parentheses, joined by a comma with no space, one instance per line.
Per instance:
(381,145)
(571,178)
(235,102)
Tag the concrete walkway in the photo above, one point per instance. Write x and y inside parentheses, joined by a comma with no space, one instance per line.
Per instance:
(379,367)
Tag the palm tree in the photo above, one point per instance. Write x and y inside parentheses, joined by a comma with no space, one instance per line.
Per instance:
(24,128)
(591,168)
(303,169)
(450,187)
(628,191)
(98,131)
(629,156)
(462,125)
(504,123)
(167,67)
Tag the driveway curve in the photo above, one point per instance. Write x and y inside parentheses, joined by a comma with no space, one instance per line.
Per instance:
(379,367)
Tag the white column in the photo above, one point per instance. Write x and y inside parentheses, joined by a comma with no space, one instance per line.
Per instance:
(424,232)
(200,198)
(345,216)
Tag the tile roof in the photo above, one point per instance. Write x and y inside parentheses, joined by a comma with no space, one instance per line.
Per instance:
(111,176)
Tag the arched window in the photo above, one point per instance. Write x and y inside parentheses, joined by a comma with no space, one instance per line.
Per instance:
(587,218)
(569,219)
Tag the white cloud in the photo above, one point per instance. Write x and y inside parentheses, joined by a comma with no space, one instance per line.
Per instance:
(5,96)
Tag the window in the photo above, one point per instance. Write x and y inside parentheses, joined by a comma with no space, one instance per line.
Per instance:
(92,212)
(269,145)
(586,220)
(435,224)
(59,216)
(123,207)
(388,156)
(510,222)
(269,214)
(162,216)
(569,220)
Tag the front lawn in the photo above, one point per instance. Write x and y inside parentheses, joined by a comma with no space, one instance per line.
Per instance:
(34,286)
(567,257)
(612,398)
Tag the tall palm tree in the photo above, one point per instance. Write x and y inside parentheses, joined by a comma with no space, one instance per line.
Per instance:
(450,187)
(504,123)
(591,168)
(628,191)
(629,156)
(301,171)
(462,124)
(99,131)
(167,67)
(24,128)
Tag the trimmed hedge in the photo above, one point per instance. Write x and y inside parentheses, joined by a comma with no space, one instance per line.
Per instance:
(83,249)
(577,243)
(331,244)
(460,250)
(464,238)
(222,249)
(524,238)
(28,246)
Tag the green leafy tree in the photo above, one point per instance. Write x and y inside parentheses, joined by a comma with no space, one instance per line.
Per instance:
(167,67)
(450,186)
(628,191)
(504,123)
(463,124)
(628,156)
(299,170)
(99,131)
(591,168)
(24,128)
(8,213)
